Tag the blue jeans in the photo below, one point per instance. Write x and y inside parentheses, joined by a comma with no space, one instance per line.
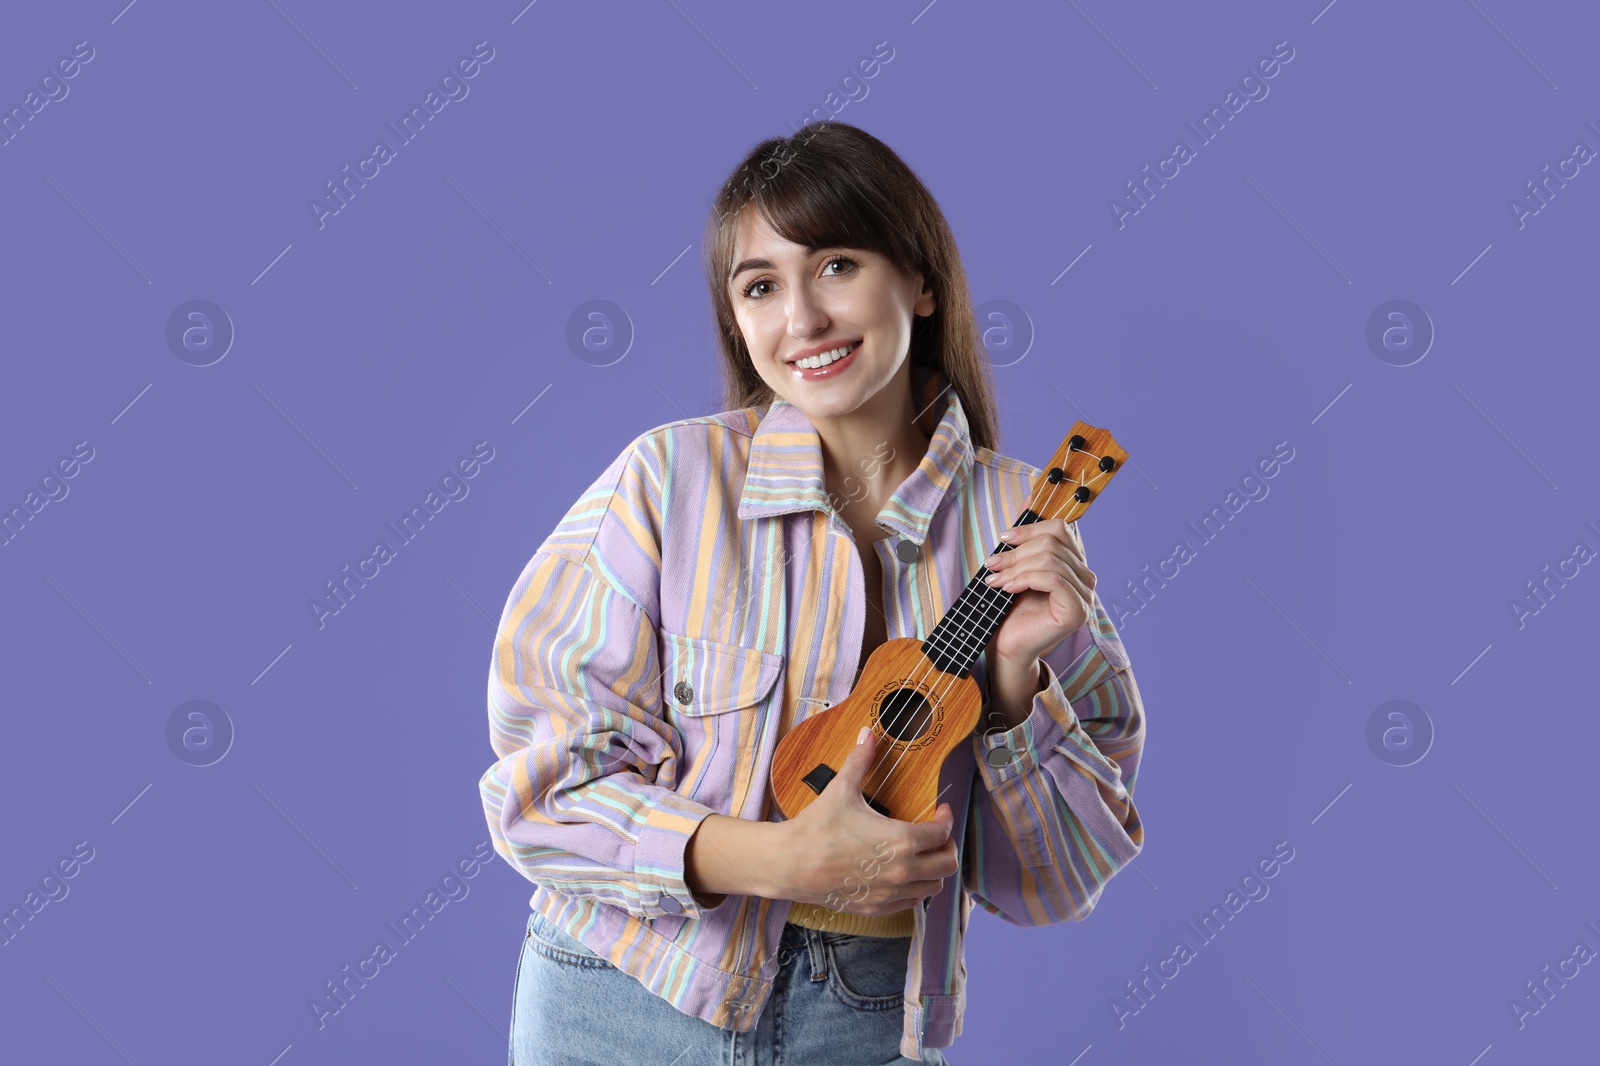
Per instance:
(836,1002)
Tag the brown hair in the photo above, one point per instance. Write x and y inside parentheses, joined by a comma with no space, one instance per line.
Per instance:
(832,184)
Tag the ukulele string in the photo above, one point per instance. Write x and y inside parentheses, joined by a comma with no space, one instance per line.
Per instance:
(987,598)
(984,603)
(1000,601)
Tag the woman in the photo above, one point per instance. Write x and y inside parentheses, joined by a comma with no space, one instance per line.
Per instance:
(725,578)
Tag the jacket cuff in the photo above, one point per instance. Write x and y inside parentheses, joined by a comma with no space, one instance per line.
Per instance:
(1003,755)
(658,862)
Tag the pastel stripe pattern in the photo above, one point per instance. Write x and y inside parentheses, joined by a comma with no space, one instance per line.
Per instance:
(695,603)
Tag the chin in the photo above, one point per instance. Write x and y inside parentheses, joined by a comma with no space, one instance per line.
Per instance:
(837,407)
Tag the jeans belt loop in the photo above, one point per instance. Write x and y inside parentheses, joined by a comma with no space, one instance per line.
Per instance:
(819,954)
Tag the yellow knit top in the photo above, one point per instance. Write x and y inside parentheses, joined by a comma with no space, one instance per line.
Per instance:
(816,916)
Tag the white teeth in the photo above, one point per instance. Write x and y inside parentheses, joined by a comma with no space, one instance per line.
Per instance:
(815,361)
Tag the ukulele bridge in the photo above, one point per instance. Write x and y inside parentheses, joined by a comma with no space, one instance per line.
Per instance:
(822,773)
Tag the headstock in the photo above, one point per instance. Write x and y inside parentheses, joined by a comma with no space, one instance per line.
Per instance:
(1089,457)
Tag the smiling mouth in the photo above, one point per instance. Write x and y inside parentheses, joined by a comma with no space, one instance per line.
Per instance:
(817,362)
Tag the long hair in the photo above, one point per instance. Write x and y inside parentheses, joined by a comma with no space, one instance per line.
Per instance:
(832,184)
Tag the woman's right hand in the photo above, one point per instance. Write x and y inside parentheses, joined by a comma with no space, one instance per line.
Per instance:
(843,855)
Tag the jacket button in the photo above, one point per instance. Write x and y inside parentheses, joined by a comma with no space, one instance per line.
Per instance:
(671,905)
(683,692)
(998,757)
(907,550)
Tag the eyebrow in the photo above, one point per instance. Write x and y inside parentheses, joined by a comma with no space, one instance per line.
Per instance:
(765,264)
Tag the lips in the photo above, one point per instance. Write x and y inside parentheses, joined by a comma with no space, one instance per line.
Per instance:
(812,353)
(831,369)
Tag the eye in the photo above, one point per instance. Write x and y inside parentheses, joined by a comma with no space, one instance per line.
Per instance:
(749,290)
(838,259)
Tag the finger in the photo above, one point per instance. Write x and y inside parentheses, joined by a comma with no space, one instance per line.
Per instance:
(930,835)
(937,864)
(1067,593)
(918,890)
(1060,546)
(1074,539)
(1081,579)
(943,818)
(938,861)
(1068,596)
(933,832)
(1020,535)
(1008,559)
(1048,579)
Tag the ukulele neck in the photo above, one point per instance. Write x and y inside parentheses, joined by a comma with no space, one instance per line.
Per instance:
(1077,474)
(973,619)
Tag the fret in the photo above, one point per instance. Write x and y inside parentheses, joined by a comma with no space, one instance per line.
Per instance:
(977,613)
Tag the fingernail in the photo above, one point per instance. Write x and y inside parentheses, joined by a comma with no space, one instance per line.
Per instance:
(861,737)
(1008,536)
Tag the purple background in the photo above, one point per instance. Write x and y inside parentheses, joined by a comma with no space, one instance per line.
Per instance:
(1230,313)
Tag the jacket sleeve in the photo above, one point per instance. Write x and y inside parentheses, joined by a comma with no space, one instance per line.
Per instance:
(579,798)
(1051,817)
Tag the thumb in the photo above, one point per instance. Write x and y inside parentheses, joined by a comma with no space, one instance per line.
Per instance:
(853,772)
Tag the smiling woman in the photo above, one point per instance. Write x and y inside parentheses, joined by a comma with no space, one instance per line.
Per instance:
(722,582)
(802,259)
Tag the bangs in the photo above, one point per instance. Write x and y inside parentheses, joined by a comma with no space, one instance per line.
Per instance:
(815,205)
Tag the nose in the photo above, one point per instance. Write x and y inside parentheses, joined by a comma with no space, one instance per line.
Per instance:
(806,316)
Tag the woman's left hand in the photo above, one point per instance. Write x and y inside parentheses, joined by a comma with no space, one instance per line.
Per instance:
(1051,585)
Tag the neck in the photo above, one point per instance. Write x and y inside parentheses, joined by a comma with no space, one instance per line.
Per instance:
(869,453)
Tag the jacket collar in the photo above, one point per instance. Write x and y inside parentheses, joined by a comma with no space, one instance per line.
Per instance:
(785,468)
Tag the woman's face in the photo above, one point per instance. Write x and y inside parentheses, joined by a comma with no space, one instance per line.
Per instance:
(789,301)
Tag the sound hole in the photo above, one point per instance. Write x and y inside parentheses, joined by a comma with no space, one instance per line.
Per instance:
(904,714)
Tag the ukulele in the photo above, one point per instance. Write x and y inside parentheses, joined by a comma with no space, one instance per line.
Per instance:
(918,696)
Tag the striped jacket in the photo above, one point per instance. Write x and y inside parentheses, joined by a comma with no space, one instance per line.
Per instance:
(707,562)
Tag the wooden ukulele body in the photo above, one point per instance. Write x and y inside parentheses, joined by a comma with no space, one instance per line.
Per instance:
(918,714)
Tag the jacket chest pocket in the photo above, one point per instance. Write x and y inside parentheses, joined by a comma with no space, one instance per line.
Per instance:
(715,695)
